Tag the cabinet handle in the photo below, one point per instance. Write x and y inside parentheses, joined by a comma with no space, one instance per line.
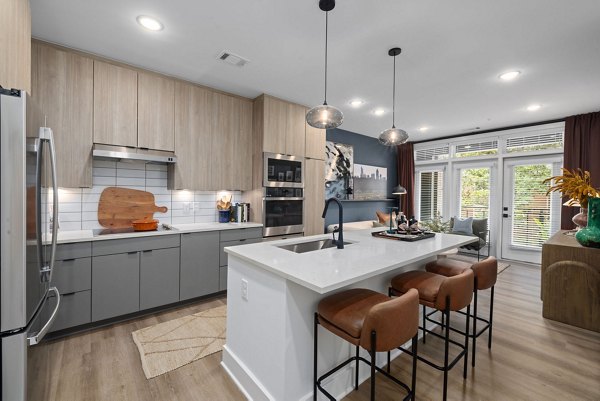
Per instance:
(243,239)
(148,251)
(68,295)
(131,253)
(68,260)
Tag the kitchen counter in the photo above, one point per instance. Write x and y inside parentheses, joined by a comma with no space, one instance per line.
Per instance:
(272,295)
(330,269)
(67,237)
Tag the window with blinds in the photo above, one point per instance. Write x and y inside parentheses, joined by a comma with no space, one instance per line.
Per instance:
(535,216)
(534,142)
(437,153)
(475,185)
(477,149)
(431,184)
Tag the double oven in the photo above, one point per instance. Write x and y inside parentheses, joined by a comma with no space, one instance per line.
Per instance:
(283,195)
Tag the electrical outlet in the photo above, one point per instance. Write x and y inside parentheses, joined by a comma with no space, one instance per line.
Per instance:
(187,207)
(244,289)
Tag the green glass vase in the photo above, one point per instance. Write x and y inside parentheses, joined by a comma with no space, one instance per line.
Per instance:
(590,236)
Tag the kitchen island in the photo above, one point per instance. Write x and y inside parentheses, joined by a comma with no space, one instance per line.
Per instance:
(272,294)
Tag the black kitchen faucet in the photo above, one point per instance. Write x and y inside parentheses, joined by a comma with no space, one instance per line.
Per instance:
(340,229)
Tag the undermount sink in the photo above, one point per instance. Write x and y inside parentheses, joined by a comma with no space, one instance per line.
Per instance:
(304,247)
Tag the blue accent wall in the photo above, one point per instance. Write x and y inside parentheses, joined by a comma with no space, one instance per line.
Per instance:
(367,150)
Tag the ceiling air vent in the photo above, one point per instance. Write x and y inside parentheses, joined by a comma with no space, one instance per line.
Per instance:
(232,59)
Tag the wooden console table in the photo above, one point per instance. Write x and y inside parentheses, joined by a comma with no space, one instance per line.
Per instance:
(571,282)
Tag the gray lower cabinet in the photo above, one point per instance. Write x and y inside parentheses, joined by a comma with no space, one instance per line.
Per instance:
(159,277)
(72,276)
(115,285)
(199,273)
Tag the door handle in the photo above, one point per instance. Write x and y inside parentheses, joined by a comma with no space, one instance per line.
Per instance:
(35,339)
(505,215)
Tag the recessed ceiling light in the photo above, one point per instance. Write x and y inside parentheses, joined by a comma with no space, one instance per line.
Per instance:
(379,112)
(509,75)
(149,23)
(356,103)
(423,129)
(534,107)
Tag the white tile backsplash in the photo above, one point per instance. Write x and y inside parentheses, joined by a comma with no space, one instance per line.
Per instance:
(78,207)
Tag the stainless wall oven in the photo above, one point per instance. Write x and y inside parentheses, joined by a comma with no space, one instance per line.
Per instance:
(283,211)
(282,171)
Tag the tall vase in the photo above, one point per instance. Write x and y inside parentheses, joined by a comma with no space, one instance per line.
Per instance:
(590,235)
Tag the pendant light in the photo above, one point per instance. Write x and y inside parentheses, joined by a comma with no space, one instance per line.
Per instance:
(393,136)
(325,116)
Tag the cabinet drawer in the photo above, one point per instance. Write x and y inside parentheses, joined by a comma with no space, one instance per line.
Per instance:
(75,309)
(223,244)
(72,275)
(232,235)
(124,245)
(73,251)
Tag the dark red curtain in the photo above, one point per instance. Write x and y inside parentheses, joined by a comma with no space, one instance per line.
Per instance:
(406,177)
(582,150)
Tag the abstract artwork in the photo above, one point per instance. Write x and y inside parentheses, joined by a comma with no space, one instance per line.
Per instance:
(370,182)
(339,159)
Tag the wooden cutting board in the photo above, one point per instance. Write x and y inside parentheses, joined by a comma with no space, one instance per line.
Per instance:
(118,207)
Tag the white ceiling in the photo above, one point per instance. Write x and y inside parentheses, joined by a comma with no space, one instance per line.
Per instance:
(447,74)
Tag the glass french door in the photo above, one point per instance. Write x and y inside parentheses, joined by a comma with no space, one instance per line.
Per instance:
(477,193)
(529,216)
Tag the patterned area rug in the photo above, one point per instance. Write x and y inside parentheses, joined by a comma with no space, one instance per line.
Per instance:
(473,259)
(170,345)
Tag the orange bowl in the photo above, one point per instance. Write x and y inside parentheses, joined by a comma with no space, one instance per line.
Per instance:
(145,225)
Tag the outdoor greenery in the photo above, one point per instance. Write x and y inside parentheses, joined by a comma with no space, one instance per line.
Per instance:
(475,192)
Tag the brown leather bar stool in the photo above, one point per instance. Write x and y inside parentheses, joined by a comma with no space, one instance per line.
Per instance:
(486,273)
(372,321)
(444,294)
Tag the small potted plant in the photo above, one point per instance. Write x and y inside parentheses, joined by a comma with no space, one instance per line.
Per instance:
(577,186)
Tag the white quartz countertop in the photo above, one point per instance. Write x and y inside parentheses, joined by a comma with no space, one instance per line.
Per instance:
(329,269)
(65,237)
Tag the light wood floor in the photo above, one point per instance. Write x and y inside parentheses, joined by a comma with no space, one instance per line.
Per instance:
(531,359)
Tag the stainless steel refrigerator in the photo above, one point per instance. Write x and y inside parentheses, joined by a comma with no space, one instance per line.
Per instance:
(29,204)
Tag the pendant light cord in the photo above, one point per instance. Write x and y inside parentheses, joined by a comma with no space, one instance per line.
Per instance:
(326,29)
(394,97)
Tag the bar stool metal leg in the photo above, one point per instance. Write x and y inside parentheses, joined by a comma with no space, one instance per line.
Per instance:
(446,346)
(491,315)
(316,332)
(474,323)
(424,322)
(466,360)
(415,341)
(373,362)
(356,372)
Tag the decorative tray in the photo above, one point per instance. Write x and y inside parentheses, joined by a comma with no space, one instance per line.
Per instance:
(403,236)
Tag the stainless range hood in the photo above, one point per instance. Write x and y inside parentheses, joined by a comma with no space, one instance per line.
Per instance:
(126,153)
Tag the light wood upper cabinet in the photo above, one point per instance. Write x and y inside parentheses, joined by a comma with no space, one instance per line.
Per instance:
(15,44)
(193,119)
(115,105)
(242,154)
(295,131)
(275,114)
(63,87)
(155,112)
(225,132)
(314,196)
(315,142)
(282,128)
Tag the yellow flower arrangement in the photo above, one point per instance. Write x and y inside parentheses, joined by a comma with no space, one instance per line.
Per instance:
(575,184)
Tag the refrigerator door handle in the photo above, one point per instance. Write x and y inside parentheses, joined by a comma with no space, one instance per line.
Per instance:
(39,336)
(47,135)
